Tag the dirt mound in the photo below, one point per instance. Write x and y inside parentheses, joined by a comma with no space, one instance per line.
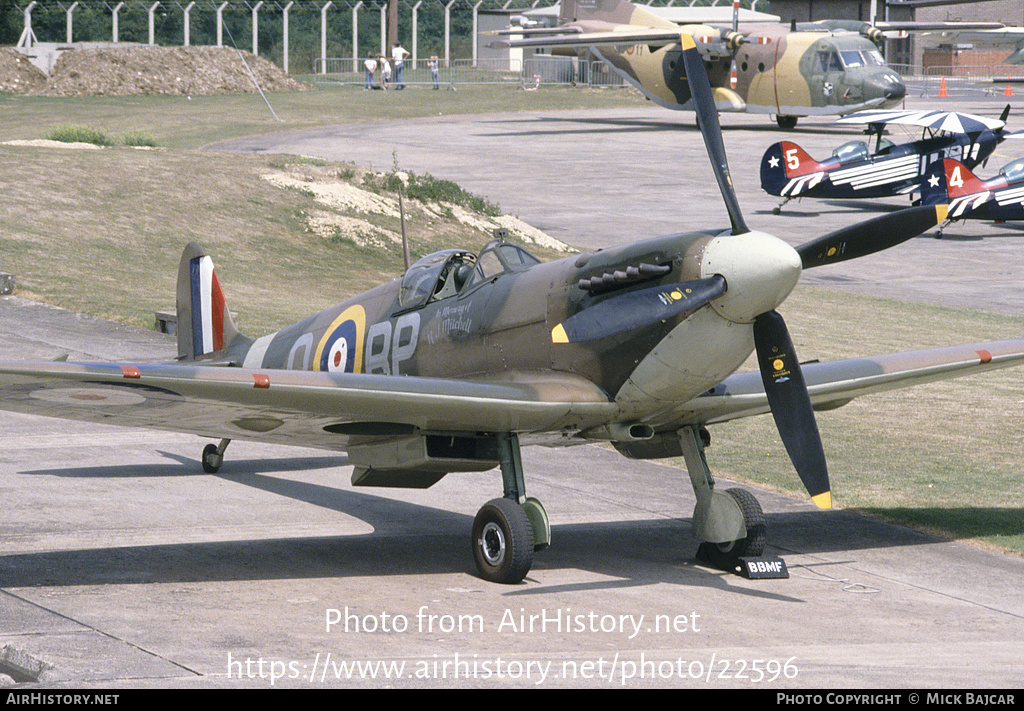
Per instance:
(157,70)
(18,74)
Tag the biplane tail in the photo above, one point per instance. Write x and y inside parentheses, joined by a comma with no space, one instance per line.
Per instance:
(947,180)
(205,326)
(787,170)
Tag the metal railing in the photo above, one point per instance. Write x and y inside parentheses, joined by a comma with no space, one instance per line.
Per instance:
(964,81)
(527,74)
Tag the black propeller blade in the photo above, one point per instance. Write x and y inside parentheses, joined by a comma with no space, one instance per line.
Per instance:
(871,236)
(707,119)
(791,405)
(634,309)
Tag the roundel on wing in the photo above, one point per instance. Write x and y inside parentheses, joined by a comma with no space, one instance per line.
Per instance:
(341,348)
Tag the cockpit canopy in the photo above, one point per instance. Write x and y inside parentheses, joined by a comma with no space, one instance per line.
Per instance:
(1013,172)
(446,273)
(851,152)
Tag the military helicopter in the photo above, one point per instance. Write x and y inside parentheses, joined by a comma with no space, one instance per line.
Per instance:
(855,171)
(806,69)
(998,198)
(466,357)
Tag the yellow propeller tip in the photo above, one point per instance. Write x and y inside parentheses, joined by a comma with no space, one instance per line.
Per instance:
(940,212)
(558,335)
(686,41)
(823,501)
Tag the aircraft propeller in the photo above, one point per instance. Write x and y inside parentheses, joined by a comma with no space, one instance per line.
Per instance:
(783,378)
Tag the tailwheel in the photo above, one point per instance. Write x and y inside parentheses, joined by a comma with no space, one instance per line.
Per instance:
(786,122)
(213,456)
(503,542)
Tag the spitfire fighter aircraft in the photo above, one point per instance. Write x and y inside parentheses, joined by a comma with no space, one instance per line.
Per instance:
(855,171)
(809,69)
(454,366)
(1000,198)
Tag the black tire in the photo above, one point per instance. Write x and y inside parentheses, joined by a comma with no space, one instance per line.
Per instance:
(212,459)
(786,122)
(502,542)
(753,518)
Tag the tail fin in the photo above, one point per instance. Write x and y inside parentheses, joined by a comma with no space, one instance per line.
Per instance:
(783,162)
(618,12)
(949,179)
(205,325)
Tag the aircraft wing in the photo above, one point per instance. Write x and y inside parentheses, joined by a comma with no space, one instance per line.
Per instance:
(302,408)
(626,36)
(833,384)
(952,121)
(999,37)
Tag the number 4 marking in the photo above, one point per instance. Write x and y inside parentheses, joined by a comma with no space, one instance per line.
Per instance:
(955,179)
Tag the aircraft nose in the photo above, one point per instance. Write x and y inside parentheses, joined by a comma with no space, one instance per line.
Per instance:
(760,271)
(888,86)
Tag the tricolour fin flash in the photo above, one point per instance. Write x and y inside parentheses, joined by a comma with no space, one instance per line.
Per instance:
(204,325)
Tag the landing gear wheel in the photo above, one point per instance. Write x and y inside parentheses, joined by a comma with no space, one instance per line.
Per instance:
(753,519)
(726,556)
(212,459)
(786,122)
(502,542)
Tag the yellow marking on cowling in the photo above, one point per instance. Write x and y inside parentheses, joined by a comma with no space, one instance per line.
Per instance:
(823,501)
(558,335)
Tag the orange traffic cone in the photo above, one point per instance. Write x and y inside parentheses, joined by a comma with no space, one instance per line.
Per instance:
(942,89)
(1009,91)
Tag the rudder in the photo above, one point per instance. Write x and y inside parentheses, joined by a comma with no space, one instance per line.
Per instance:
(205,325)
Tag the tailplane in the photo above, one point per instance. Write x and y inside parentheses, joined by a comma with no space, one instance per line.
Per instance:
(205,326)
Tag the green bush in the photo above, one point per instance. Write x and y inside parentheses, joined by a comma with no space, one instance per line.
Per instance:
(139,138)
(80,134)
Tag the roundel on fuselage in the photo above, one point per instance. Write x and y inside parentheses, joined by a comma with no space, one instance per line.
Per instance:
(341,348)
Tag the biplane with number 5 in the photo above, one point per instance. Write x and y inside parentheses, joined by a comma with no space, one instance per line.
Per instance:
(454,366)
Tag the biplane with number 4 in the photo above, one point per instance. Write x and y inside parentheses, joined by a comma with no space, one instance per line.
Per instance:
(999,198)
(454,366)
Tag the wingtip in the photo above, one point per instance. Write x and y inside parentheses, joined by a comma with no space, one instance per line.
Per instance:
(823,500)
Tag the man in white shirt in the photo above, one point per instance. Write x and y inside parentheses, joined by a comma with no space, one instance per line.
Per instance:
(398,54)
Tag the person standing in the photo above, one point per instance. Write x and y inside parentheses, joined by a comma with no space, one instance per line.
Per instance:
(385,72)
(432,63)
(371,68)
(398,55)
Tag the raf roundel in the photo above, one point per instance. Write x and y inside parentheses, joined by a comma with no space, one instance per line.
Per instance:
(340,350)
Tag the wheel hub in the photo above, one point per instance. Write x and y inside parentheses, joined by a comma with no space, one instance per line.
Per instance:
(492,544)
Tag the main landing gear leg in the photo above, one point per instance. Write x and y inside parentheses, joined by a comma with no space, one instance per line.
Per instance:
(507,531)
(729,524)
(213,456)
